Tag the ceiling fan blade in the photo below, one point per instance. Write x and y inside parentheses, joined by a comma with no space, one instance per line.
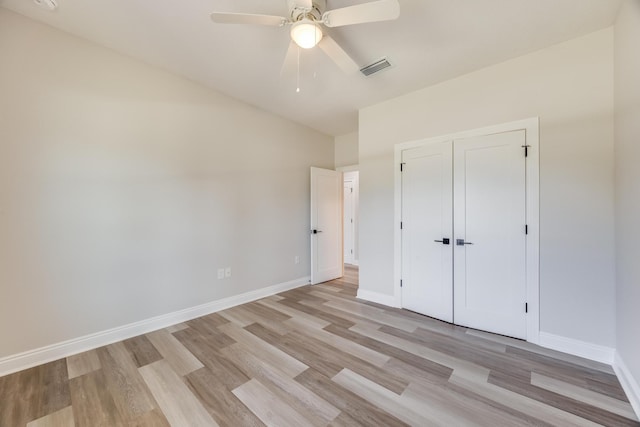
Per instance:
(381,10)
(338,55)
(290,59)
(247,18)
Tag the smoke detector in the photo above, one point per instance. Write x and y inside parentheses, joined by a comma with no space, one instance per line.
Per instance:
(49,5)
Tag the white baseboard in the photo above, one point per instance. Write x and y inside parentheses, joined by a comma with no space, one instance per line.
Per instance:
(378,298)
(578,348)
(31,358)
(629,383)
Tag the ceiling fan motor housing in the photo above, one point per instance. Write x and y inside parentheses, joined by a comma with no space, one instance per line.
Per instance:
(298,13)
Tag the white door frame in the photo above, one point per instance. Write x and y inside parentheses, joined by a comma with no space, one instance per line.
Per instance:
(531,128)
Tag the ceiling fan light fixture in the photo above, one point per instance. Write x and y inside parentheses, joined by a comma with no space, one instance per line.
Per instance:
(306,34)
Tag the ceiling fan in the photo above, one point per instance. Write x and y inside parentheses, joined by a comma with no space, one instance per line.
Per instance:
(308,19)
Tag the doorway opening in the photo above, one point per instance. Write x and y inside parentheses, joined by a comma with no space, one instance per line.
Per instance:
(350,217)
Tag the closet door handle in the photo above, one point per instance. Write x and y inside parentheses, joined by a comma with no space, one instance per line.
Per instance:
(444,241)
(461,242)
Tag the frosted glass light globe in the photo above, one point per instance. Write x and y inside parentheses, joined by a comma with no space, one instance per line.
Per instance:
(306,34)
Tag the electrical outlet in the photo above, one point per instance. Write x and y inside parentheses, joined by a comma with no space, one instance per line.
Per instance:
(296,259)
(220,273)
(227,272)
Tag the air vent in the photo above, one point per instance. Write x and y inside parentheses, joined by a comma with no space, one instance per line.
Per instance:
(375,67)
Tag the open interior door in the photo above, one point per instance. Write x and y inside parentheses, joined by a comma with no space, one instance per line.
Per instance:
(326,225)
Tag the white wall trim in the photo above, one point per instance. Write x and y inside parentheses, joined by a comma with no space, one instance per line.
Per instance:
(531,127)
(378,298)
(31,358)
(629,384)
(598,353)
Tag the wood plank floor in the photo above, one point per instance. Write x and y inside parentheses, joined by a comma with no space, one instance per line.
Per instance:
(316,356)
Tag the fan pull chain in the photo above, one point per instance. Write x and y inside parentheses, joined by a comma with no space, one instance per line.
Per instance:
(298,77)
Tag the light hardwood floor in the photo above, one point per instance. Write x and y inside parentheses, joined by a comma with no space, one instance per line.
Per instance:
(316,356)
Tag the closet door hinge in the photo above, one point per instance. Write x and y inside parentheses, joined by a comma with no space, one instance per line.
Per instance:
(400,282)
(526,307)
(526,150)
(526,229)
(402,167)
(401,225)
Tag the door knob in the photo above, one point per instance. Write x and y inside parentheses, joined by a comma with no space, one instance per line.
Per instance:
(461,242)
(444,241)
(314,231)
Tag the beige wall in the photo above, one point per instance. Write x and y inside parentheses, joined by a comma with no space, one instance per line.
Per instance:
(124,188)
(570,87)
(346,150)
(627,148)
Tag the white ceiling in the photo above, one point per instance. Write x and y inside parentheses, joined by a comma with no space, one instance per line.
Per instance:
(432,41)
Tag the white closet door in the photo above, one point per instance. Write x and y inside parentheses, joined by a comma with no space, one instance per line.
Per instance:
(489,223)
(427,275)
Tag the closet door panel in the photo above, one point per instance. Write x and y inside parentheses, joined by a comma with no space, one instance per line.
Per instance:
(427,219)
(489,223)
